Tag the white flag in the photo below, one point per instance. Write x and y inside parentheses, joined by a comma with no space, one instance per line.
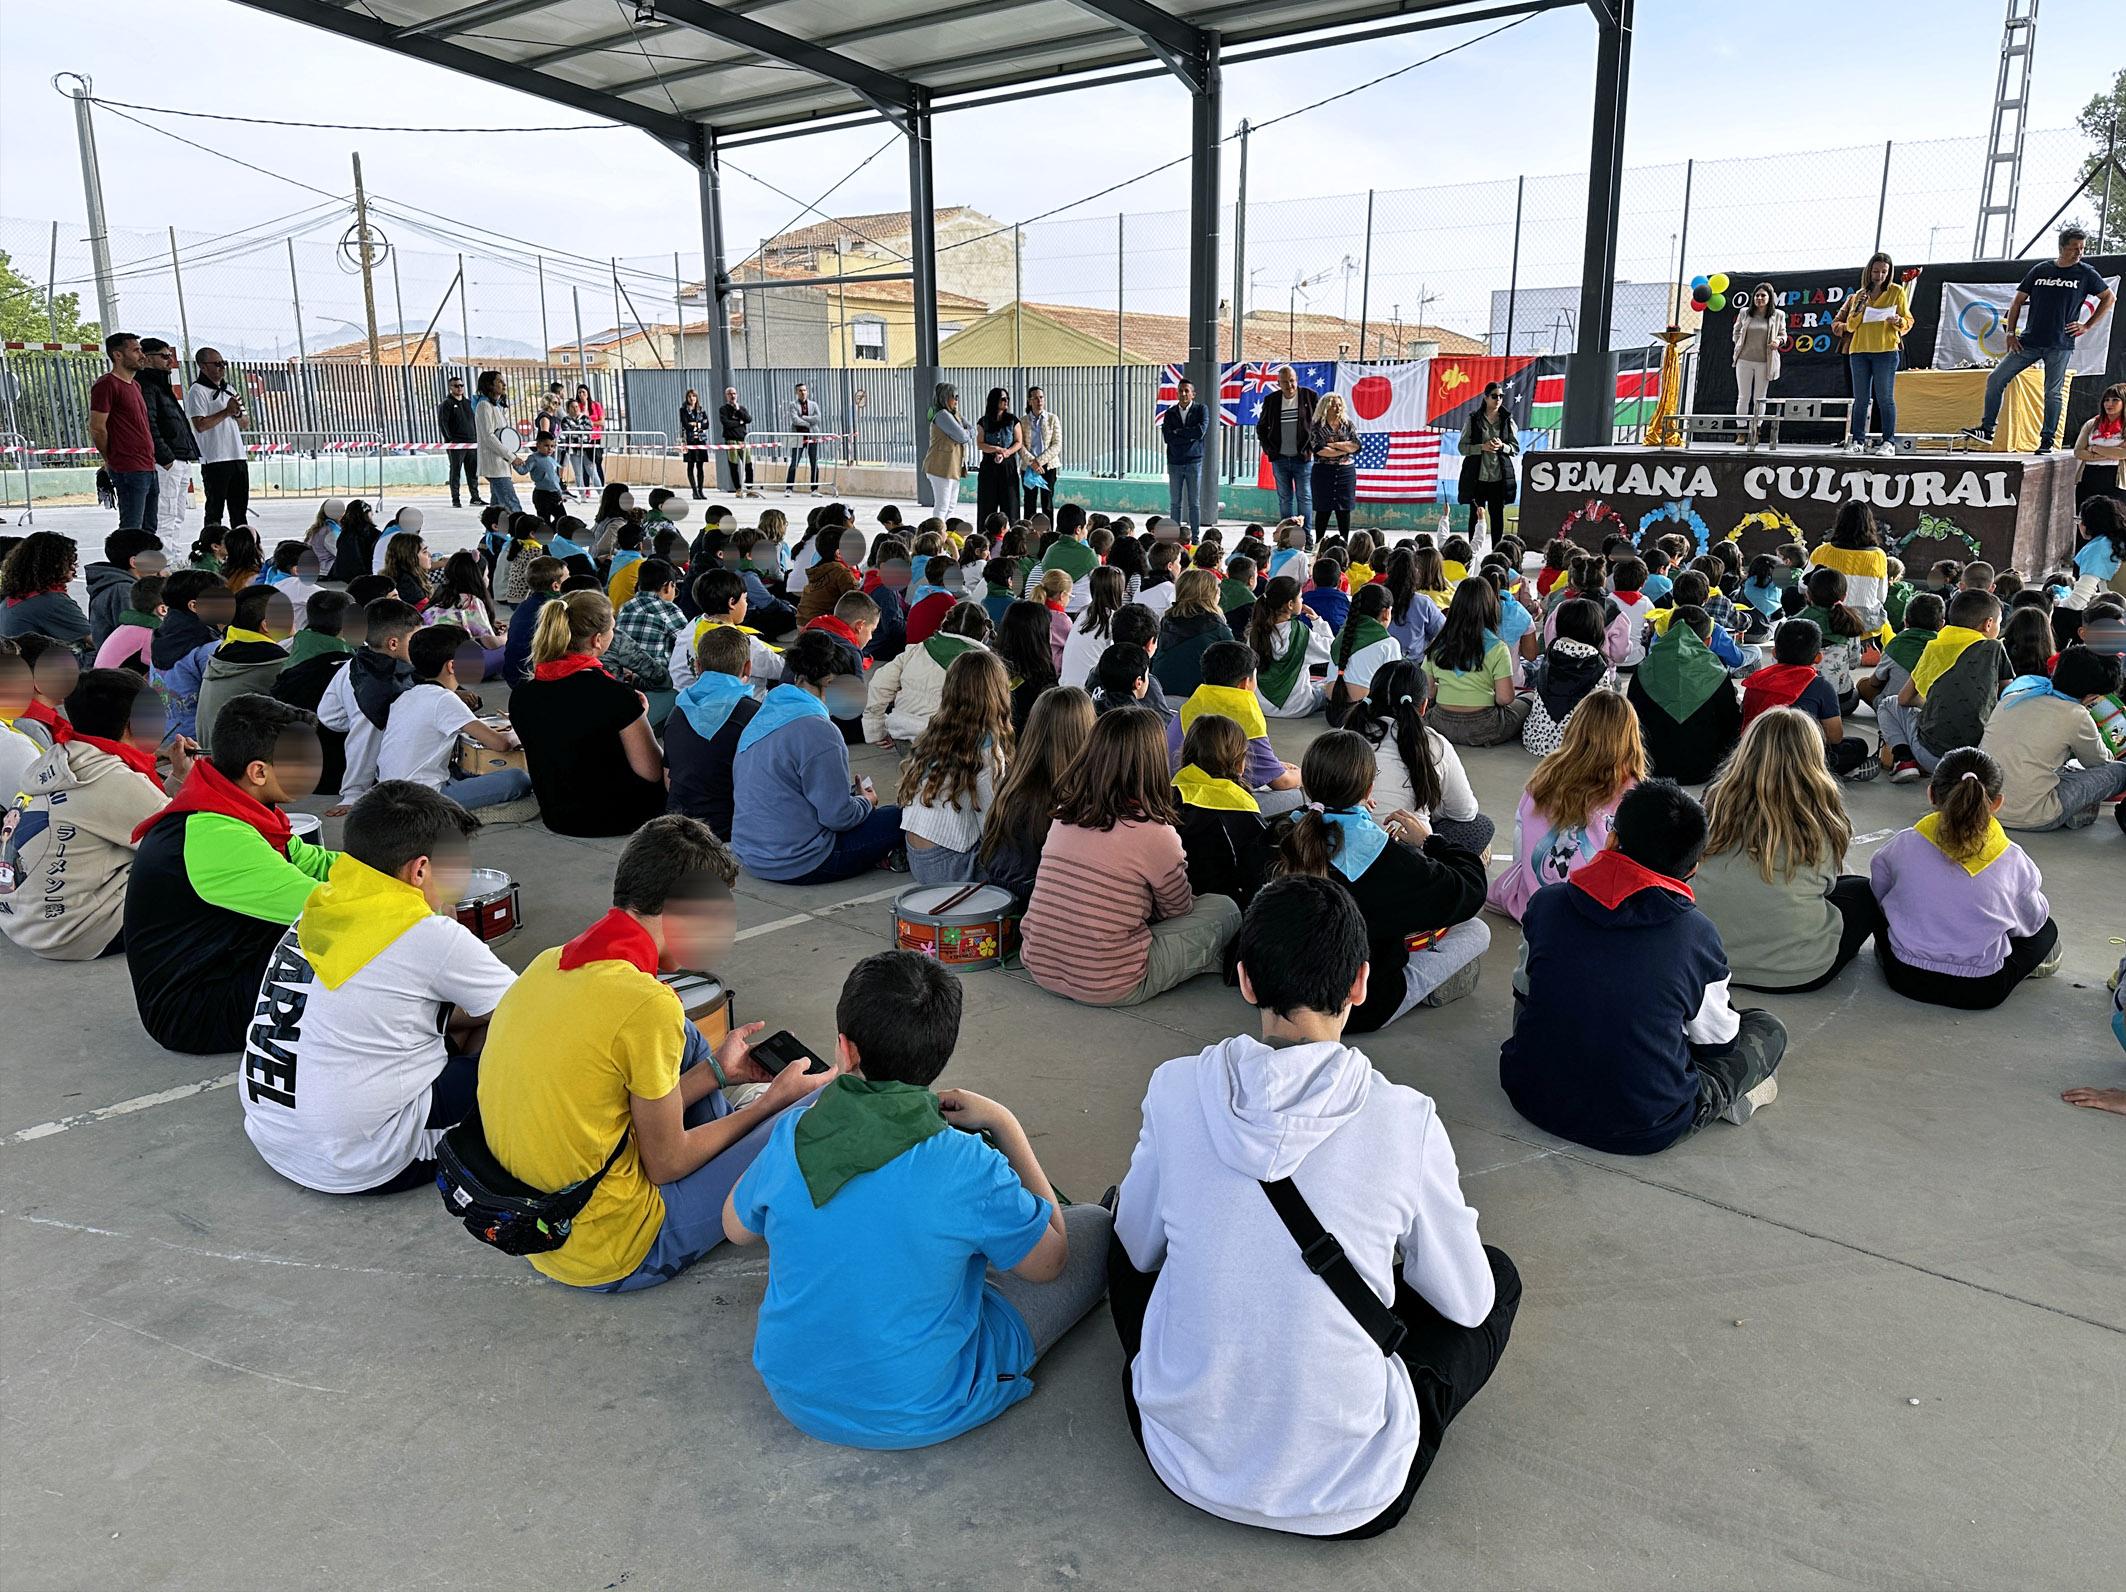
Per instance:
(1973,329)
(1386,397)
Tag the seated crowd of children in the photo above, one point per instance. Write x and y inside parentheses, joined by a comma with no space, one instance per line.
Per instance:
(1083,714)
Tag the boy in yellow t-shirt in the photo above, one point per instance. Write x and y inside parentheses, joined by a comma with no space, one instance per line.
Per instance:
(588,1048)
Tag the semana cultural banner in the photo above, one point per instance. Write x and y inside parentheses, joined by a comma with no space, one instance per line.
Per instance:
(1974,329)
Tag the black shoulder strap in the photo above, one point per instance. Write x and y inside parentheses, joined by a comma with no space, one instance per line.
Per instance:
(1326,1259)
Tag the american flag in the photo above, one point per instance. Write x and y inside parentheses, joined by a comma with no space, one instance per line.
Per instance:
(1397,467)
(1232,387)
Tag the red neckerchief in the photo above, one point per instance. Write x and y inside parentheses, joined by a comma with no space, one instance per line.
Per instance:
(38,713)
(1053,607)
(48,591)
(562,668)
(1612,877)
(834,627)
(138,759)
(1778,686)
(616,937)
(872,581)
(2108,428)
(208,790)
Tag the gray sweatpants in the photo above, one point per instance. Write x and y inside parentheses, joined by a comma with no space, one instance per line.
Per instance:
(1051,1309)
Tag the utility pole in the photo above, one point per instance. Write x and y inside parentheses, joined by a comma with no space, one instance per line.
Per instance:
(51,289)
(1513,277)
(92,192)
(1240,250)
(575,297)
(302,354)
(1365,291)
(405,361)
(546,342)
(376,358)
(184,325)
(464,319)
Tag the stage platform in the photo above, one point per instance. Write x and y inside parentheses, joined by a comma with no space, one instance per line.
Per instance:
(2014,510)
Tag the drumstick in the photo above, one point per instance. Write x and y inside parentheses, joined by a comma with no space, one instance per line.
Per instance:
(956,898)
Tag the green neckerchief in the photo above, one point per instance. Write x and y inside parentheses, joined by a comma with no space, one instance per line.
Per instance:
(133,616)
(1234,594)
(1072,557)
(943,648)
(1680,673)
(1277,679)
(1906,646)
(308,644)
(1900,593)
(1366,631)
(856,1126)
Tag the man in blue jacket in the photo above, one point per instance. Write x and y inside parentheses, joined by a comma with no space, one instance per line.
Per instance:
(1183,427)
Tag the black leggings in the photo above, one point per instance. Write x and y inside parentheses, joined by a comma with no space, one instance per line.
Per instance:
(1854,898)
(1343,521)
(697,465)
(1968,994)
(451,1099)
(1448,1364)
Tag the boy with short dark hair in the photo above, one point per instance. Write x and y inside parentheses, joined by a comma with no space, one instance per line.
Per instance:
(1311,1429)
(250,658)
(1689,715)
(1135,625)
(218,876)
(548,495)
(1624,1039)
(358,701)
(589,1053)
(421,733)
(645,628)
(878,1329)
(1924,615)
(1957,681)
(196,607)
(1229,688)
(721,596)
(128,556)
(542,583)
(364,1044)
(701,733)
(1790,680)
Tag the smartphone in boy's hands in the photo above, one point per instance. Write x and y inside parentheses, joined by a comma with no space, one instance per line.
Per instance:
(782,1049)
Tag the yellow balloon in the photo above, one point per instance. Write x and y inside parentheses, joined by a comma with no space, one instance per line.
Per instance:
(1719,281)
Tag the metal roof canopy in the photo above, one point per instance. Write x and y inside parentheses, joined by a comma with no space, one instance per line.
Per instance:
(699,73)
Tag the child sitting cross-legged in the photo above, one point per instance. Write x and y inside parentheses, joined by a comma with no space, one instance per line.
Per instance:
(1965,918)
(1016,825)
(1229,688)
(1771,880)
(1923,618)
(905,692)
(594,760)
(366,1040)
(1419,895)
(949,778)
(357,703)
(916,1274)
(1563,819)
(1471,670)
(217,877)
(1688,710)
(1647,1050)
(1955,683)
(701,734)
(2055,769)
(591,1060)
(1791,680)
(1327,1425)
(1418,769)
(1223,834)
(421,735)
(1572,663)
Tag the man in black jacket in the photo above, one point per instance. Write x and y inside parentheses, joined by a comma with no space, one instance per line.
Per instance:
(732,419)
(1282,432)
(176,445)
(454,421)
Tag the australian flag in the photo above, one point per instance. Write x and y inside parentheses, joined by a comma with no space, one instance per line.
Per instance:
(1257,379)
(1230,391)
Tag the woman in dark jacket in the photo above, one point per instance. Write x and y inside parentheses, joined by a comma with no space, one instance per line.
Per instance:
(1335,478)
(1189,628)
(1003,457)
(1223,833)
(694,441)
(1489,442)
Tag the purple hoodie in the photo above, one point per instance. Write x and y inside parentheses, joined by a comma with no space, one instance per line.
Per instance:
(1944,920)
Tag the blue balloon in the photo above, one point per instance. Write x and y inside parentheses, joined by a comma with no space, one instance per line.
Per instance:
(1701,282)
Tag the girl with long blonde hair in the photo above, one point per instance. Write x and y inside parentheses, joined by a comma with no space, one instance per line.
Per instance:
(594,763)
(1770,880)
(949,780)
(1564,814)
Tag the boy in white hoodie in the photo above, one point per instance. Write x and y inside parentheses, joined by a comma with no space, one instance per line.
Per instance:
(1255,1392)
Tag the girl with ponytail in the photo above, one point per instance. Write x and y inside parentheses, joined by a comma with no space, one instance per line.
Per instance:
(1413,618)
(1362,649)
(1419,895)
(594,762)
(1844,635)
(1965,918)
(1287,643)
(1415,766)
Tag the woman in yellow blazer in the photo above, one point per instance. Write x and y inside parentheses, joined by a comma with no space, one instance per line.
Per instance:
(1875,318)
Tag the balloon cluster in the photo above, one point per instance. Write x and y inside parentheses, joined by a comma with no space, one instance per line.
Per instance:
(1709,292)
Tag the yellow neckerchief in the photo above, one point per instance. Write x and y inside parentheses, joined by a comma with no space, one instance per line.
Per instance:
(234,634)
(1238,705)
(705,624)
(353,918)
(1360,575)
(1989,850)
(1940,657)
(1457,571)
(1199,789)
(1852,561)
(1440,598)
(1659,619)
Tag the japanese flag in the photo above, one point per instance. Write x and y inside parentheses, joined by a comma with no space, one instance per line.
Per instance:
(1386,397)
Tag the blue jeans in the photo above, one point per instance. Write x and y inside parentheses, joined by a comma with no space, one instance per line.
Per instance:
(693,1206)
(857,850)
(1183,483)
(2014,363)
(1295,488)
(1874,377)
(501,489)
(489,790)
(139,496)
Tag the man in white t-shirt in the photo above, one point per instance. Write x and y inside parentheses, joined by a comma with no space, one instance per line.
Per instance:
(425,723)
(217,415)
(365,1043)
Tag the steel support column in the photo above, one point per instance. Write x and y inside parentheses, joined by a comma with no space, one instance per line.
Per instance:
(715,283)
(922,250)
(1203,366)
(1590,373)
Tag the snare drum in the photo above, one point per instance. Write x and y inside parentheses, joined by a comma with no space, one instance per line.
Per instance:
(964,926)
(307,827)
(706,1000)
(492,908)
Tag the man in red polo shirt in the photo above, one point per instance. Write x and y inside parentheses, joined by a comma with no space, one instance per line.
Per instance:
(118,425)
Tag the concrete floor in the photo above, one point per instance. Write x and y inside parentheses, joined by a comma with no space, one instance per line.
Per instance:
(1876,1337)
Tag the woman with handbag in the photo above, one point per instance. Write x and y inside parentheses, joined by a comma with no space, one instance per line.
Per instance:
(694,442)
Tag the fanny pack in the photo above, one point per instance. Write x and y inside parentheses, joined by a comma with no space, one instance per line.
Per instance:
(501,1210)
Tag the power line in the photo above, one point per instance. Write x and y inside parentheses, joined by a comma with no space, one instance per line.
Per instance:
(337,198)
(350,127)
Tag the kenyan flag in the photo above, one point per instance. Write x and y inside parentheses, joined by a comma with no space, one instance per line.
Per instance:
(1637,391)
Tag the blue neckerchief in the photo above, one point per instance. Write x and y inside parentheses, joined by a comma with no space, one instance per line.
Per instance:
(562,547)
(709,702)
(1363,841)
(2029,687)
(1514,620)
(784,705)
(622,560)
(1284,558)
(1764,598)
(917,593)
(2095,557)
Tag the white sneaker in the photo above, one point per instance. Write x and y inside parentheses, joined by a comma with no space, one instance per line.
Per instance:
(1748,1105)
(1855,445)
(2051,964)
(1888,450)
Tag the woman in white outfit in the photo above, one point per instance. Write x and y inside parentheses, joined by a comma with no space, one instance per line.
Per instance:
(1760,327)
(945,464)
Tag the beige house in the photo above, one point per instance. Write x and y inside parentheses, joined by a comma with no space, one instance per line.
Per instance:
(1073,334)
(974,252)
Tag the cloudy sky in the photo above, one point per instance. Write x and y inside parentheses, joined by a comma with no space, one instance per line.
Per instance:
(1806,74)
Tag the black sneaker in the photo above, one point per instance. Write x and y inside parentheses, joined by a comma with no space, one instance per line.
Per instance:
(1863,772)
(1978,434)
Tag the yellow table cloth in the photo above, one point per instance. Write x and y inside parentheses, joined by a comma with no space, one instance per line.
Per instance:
(1949,400)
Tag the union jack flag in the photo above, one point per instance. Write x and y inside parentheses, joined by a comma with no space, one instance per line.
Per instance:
(1232,388)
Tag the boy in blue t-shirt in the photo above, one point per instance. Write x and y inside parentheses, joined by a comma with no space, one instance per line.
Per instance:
(883,1325)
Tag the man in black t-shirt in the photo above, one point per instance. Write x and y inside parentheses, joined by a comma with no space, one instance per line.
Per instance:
(2055,292)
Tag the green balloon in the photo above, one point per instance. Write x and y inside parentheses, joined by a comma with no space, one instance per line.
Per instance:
(1718,302)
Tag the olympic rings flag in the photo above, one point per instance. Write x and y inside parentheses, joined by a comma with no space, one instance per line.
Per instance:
(1972,330)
